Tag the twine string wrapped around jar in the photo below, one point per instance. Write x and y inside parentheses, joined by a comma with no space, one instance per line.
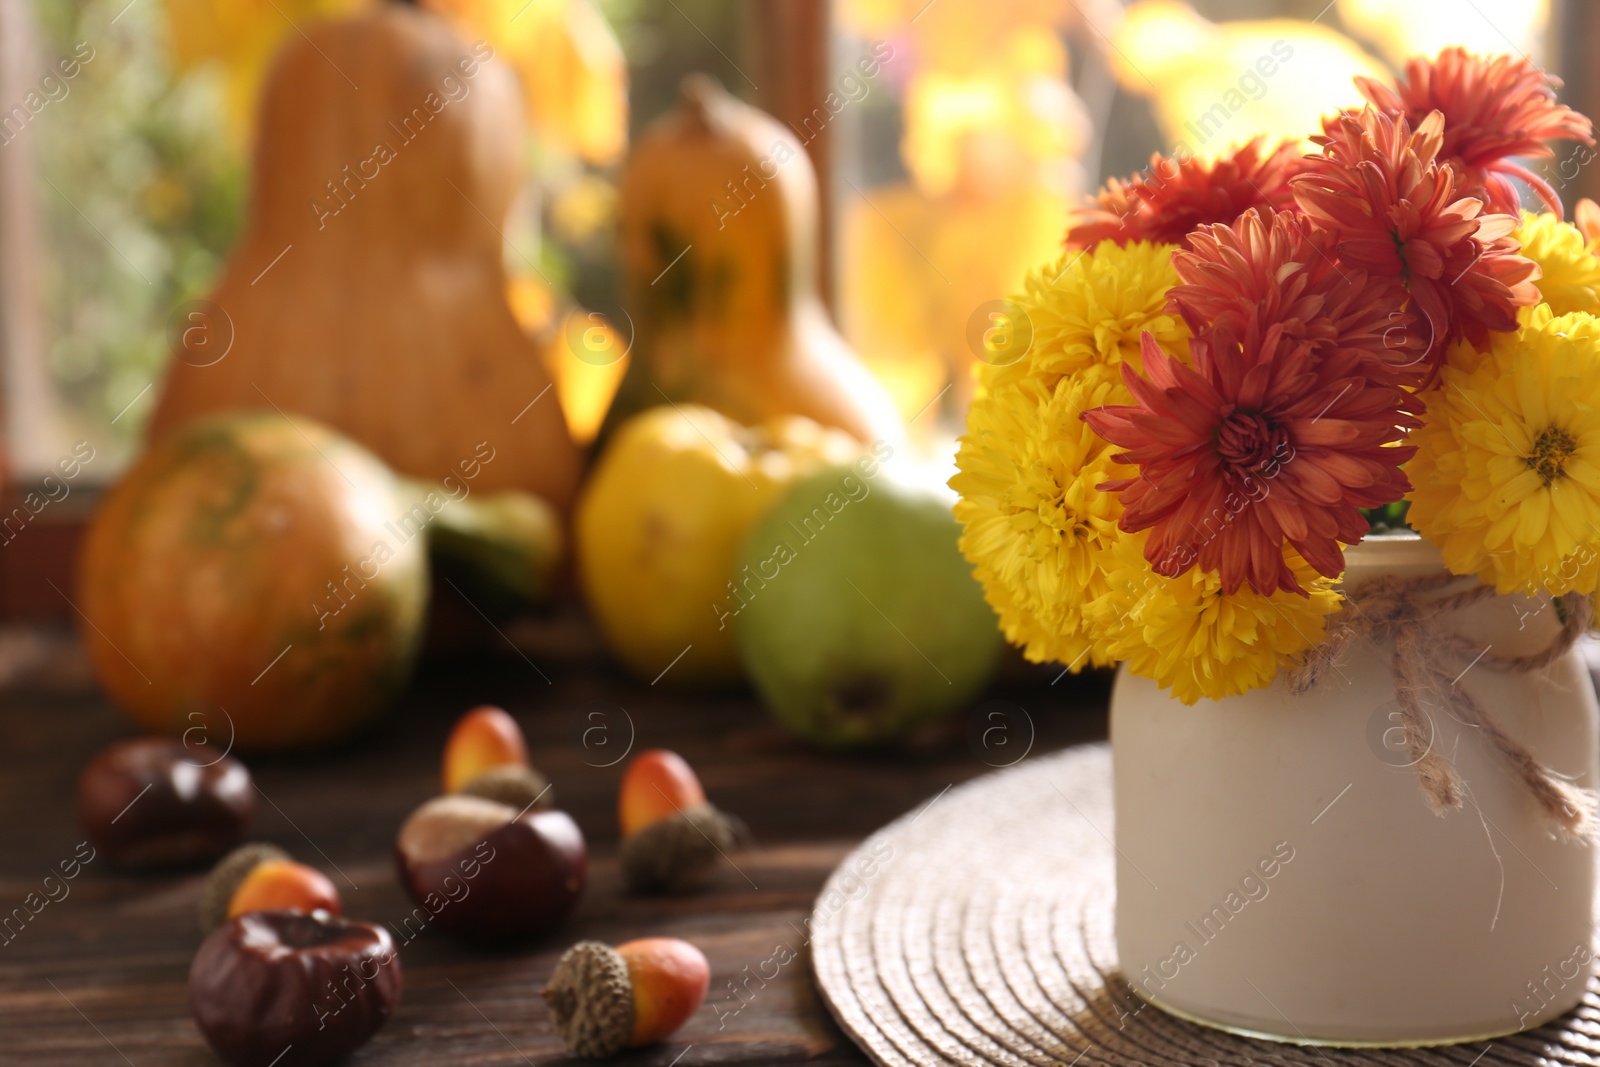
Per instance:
(1411,615)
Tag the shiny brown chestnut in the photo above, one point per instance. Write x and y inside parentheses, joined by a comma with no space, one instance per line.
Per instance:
(293,989)
(485,871)
(152,802)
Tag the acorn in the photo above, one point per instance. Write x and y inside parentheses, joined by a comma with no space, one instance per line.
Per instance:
(263,877)
(487,757)
(603,999)
(672,837)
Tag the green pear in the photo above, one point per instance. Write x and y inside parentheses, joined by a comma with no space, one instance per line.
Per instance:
(855,615)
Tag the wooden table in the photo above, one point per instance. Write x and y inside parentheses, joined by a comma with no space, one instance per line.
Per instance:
(100,976)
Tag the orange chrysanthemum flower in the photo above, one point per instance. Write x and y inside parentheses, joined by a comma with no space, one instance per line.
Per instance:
(1274,269)
(1394,212)
(1495,108)
(1248,450)
(1586,217)
(1171,197)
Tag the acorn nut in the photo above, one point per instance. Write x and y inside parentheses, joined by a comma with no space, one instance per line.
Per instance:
(672,837)
(605,999)
(259,877)
(486,756)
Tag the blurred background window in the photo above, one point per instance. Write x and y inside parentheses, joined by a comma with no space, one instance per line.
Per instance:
(116,217)
(956,170)
(954,137)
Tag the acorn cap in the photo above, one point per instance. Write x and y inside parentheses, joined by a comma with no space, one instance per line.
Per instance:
(512,784)
(226,877)
(675,854)
(590,998)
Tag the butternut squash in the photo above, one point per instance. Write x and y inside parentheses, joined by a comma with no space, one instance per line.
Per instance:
(368,290)
(718,232)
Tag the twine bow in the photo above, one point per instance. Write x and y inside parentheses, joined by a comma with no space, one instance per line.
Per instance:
(1401,612)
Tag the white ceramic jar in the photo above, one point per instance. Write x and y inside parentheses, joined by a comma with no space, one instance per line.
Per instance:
(1281,875)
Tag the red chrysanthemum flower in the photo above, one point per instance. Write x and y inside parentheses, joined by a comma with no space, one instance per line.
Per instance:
(1248,450)
(1274,269)
(1394,212)
(1171,196)
(1495,108)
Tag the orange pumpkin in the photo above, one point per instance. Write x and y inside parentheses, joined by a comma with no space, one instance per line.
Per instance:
(368,290)
(718,232)
(255,578)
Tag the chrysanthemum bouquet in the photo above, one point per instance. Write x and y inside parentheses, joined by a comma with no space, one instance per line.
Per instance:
(1237,367)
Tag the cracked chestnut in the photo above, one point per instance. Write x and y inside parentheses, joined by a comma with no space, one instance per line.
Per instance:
(484,871)
(293,989)
(150,802)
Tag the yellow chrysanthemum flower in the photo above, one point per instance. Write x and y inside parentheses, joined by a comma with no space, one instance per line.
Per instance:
(1571,280)
(1089,309)
(1190,637)
(1034,526)
(1506,478)
(1461,356)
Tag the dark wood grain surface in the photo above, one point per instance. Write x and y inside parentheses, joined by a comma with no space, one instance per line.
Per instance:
(100,976)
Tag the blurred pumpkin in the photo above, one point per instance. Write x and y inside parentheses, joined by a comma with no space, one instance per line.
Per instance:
(718,234)
(245,570)
(505,549)
(368,290)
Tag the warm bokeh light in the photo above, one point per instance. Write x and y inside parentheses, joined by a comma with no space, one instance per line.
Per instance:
(1403,30)
(910,323)
(573,73)
(244,35)
(992,132)
(970,128)
(1214,85)
(584,354)
(574,77)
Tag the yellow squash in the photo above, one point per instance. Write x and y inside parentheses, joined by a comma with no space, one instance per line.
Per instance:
(661,522)
(718,231)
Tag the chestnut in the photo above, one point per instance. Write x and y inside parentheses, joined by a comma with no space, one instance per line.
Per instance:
(150,802)
(485,871)
(292,988)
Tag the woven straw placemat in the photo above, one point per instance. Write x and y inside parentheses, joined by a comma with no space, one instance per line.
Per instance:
(978,930)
